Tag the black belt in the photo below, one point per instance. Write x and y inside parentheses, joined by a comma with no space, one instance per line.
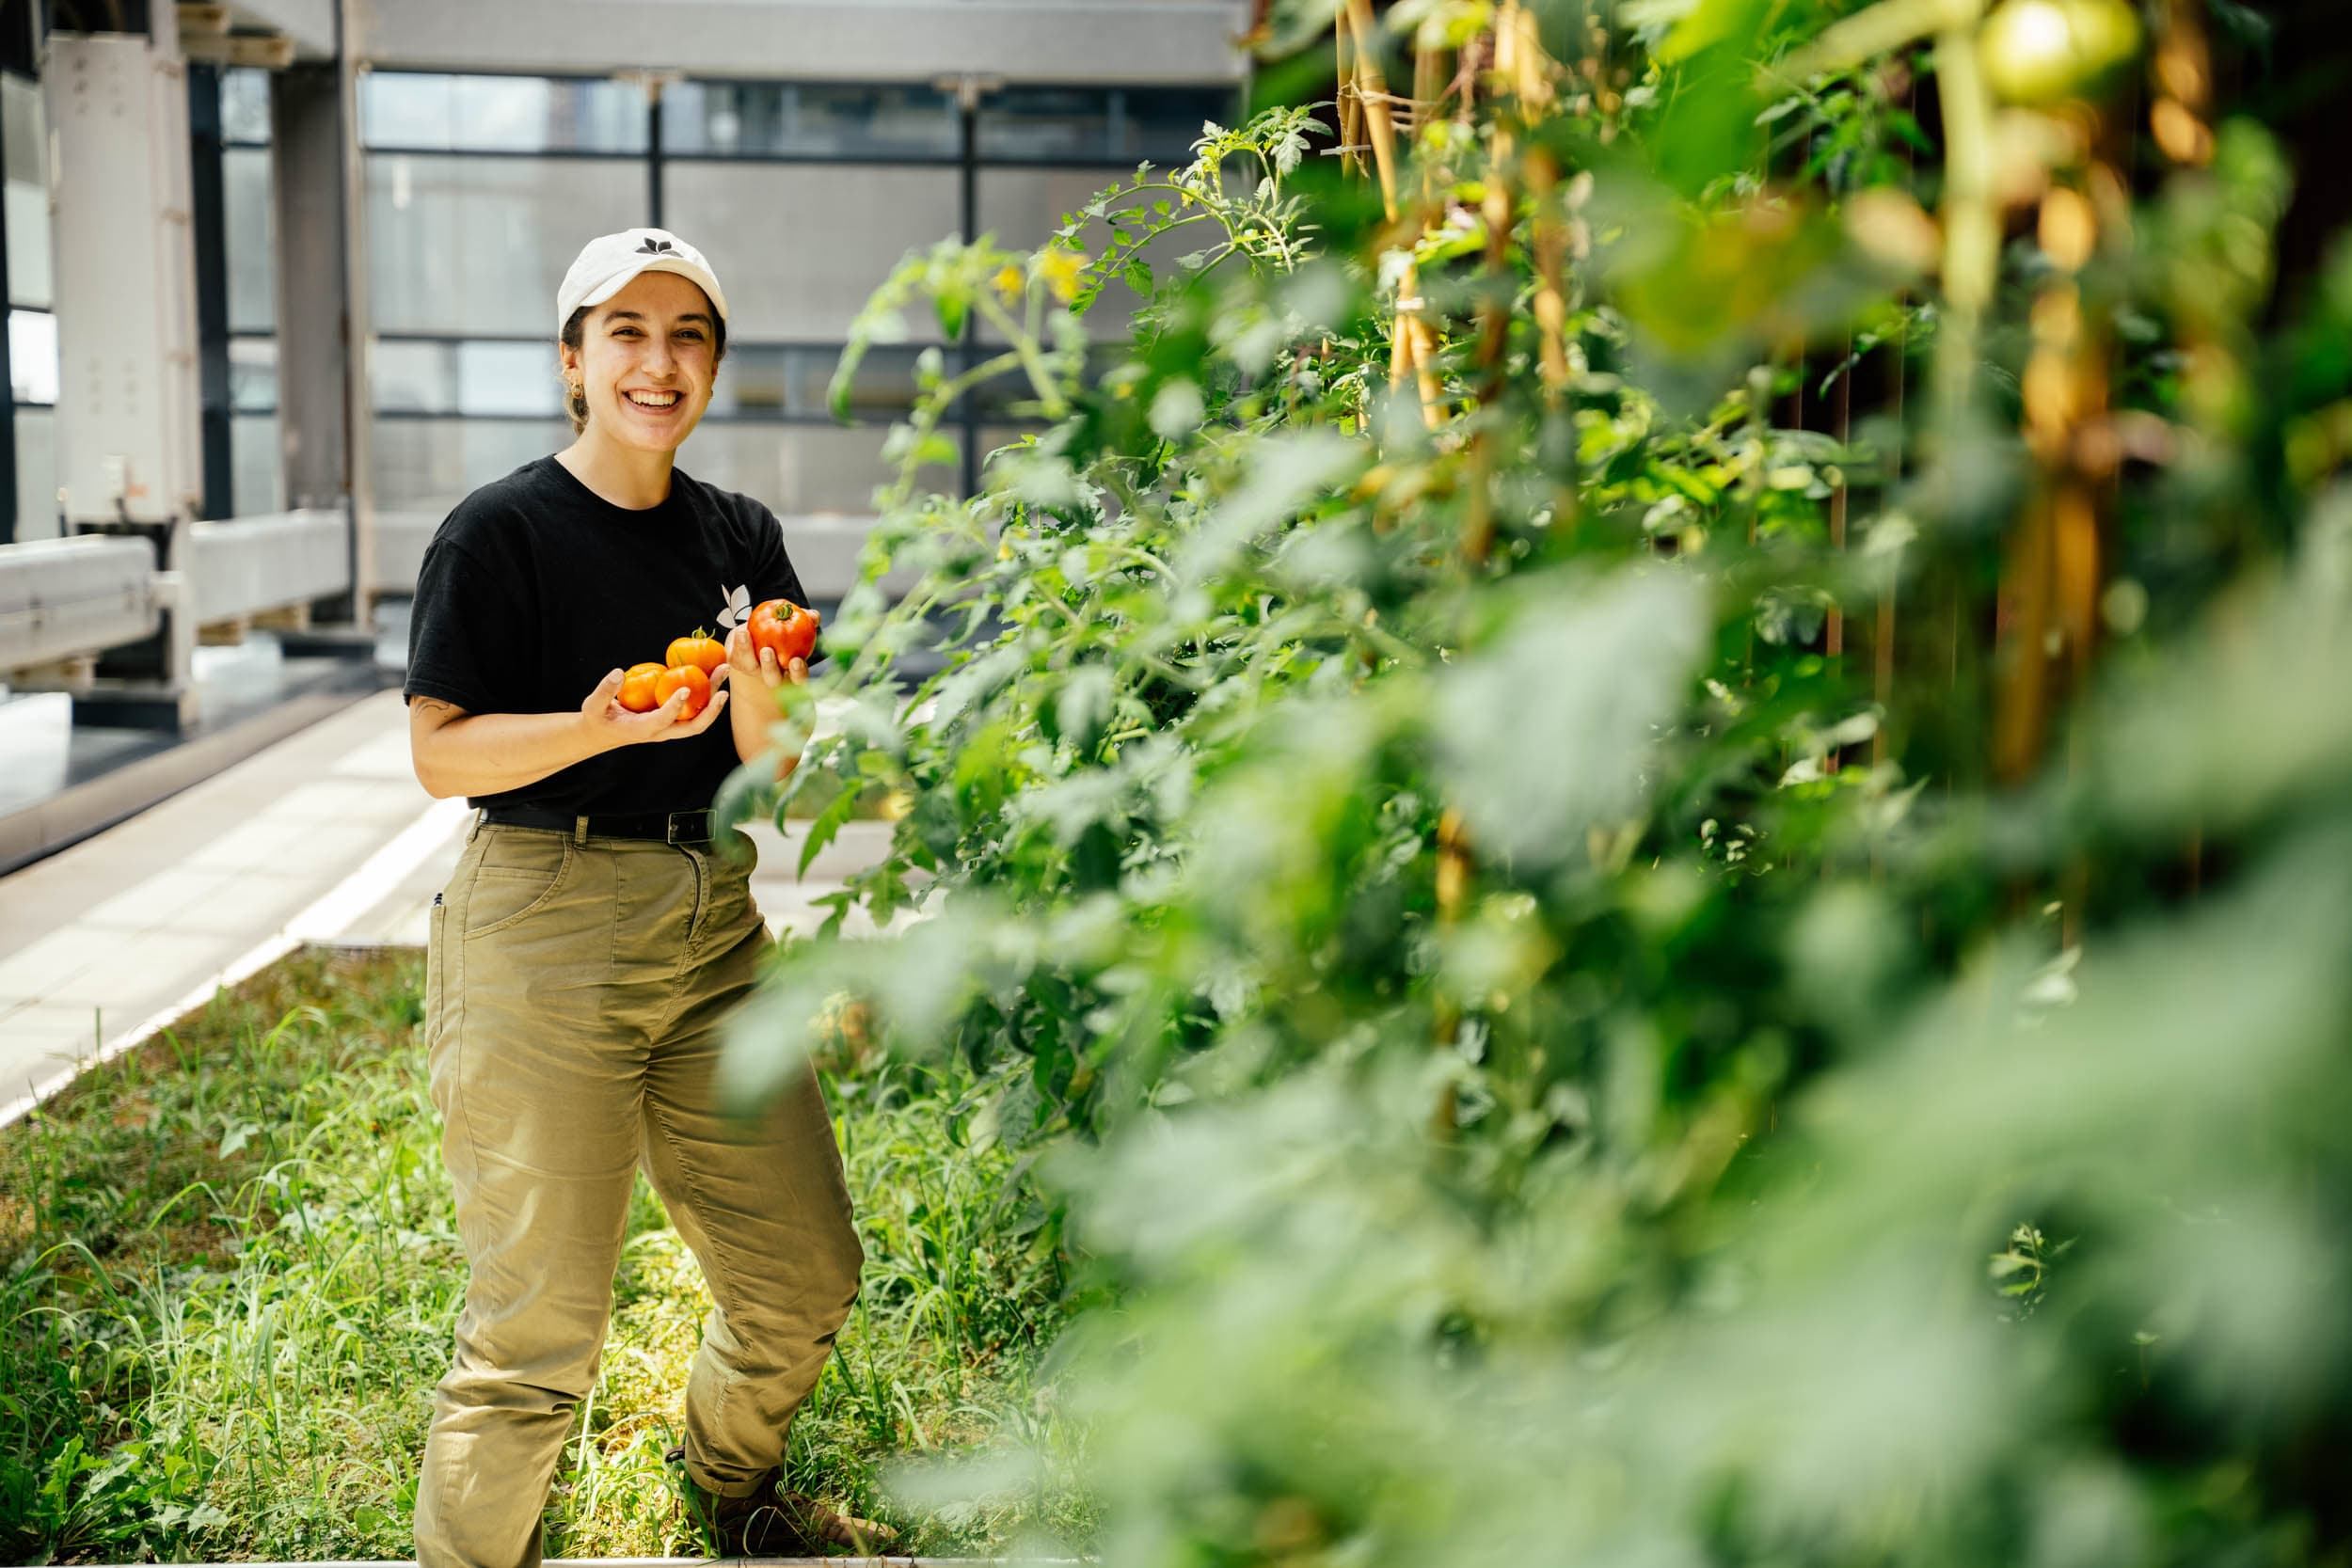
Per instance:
(663,827)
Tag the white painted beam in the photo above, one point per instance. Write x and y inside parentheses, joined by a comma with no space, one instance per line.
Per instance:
(311,24)
(1138,41)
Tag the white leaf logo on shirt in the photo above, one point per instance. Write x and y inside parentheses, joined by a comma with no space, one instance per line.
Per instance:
(738,610)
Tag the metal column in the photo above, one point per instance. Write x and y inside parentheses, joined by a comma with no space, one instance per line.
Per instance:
(127,402)
(212,287)
(321,391)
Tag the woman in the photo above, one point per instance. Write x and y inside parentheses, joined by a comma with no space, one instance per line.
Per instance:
(594,938)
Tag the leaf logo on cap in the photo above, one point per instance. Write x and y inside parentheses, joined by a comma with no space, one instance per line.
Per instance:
(656,247)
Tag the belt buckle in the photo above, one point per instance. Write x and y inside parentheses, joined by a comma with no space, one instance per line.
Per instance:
(679,821)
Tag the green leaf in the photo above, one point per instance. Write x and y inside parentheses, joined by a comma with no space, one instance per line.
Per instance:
(826,826)
(1708,23)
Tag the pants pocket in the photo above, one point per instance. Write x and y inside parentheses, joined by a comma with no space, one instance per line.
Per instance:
(516,879)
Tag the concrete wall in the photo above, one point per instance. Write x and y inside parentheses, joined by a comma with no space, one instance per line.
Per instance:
(875,40)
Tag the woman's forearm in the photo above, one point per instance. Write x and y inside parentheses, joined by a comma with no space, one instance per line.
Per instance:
(487,753)
(753,719)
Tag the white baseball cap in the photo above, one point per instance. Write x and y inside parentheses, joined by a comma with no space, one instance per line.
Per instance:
(606,263)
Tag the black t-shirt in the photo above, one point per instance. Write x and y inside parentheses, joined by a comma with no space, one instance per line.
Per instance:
(535,586)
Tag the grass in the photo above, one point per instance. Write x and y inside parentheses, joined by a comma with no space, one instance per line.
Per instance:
(229,1277)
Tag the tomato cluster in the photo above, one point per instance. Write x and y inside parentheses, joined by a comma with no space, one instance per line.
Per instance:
(780,624)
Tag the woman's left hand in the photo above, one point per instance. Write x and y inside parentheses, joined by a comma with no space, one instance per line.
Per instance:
(745,662)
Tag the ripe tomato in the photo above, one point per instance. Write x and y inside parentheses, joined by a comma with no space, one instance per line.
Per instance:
(637,688)
(785,626)
(699,649)
(697,687)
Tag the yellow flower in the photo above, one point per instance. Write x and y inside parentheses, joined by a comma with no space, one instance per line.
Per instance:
(1008,283)
(1060,269)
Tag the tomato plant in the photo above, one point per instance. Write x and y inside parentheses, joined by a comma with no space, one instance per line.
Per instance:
(1621,743)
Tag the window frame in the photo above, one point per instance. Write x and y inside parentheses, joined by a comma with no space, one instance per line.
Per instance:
(967,161)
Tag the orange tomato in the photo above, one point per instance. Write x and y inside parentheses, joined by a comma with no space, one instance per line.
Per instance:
(698,648)
(637,688)
(696,685)
(785,626)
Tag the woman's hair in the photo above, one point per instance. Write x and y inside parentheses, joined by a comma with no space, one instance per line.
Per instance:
(575,401)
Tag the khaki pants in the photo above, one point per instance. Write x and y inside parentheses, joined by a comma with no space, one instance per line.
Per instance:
(577,990)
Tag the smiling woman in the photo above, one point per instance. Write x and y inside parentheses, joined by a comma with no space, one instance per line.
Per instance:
(597,935)
(656,347)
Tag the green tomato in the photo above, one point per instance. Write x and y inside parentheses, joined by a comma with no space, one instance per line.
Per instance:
(2042,51)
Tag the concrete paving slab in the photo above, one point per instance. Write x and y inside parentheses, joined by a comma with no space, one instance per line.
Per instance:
(346,800)
(144,914)
(276,843)
(159,901)
(384,756)
(33,972)
(250,902)
(139,973)
(42,1038)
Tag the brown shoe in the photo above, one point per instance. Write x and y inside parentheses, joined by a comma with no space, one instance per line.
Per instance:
(767,1523)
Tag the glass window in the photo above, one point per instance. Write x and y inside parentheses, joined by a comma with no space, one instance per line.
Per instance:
(1123,125)
(37,506)
(23,123)
(903,120)
(251,240)
(253,375)
(475,247)
(1045,124)
(812,241)
(257,480)
(767,379)
(500,114)
(245,106)
(475,378)
(1162,124)
(33,356)
(431,465)
(799,471)
(1023,207)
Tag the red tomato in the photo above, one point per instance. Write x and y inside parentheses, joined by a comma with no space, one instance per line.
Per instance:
(699,649)
(637,688)
(690,676)
(785,626)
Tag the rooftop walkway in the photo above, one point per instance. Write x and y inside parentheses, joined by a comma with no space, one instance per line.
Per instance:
(324,837)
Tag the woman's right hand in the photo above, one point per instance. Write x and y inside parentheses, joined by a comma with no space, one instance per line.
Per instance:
(610,725)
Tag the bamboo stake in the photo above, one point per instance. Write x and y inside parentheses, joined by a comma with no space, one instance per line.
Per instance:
(1351,107)
(1428,75)
(1411,348)
(1372,94)
(1972,217)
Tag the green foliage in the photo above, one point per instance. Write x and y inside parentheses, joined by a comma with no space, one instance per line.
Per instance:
(1537,1046)
(230,1281)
